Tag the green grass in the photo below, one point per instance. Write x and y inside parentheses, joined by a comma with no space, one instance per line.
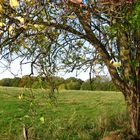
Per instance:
(70,115)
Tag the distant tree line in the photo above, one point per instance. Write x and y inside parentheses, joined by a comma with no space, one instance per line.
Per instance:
(59,83)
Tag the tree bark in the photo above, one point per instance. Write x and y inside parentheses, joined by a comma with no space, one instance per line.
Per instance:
(133,104)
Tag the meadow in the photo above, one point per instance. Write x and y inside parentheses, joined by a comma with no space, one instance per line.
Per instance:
(67,115)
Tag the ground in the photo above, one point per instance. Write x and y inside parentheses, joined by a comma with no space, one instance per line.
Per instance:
(69,115)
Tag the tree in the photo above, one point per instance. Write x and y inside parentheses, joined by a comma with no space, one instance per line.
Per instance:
(73,83)
(15,81)
(98,83)
(6,82)
(54,34)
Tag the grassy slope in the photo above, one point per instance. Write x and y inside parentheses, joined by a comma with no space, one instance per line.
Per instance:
(75,115)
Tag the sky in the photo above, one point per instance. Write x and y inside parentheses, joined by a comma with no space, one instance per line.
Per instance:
(16,71)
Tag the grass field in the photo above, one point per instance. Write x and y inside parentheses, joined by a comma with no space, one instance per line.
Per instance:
(69,115)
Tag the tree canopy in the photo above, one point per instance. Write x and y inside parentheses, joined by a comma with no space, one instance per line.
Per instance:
(53,34)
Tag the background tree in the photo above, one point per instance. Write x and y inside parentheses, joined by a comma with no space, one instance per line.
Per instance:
(73,83)
(98,83)
(54,34)
(6,82)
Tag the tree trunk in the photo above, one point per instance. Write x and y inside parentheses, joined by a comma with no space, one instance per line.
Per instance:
(133,104)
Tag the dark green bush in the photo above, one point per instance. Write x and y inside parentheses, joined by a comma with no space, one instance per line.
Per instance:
(98,84)
(72,83)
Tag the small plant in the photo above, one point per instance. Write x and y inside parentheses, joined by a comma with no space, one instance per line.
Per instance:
(34,108)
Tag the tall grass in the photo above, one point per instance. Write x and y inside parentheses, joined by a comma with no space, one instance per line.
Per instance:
(76,115)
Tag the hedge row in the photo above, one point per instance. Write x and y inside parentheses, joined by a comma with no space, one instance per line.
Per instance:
(98,83)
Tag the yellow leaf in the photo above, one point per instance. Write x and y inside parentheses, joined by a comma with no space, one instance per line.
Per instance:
(21,19)
(42,120)
(20,97)
(24,26)
(25,45)
(36,25)
(117,64)
(111,61)
(39,27)
(26,116)
(10,29)
(29,24)
(1,9)
(14,3)
(2,24)
(72,17)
